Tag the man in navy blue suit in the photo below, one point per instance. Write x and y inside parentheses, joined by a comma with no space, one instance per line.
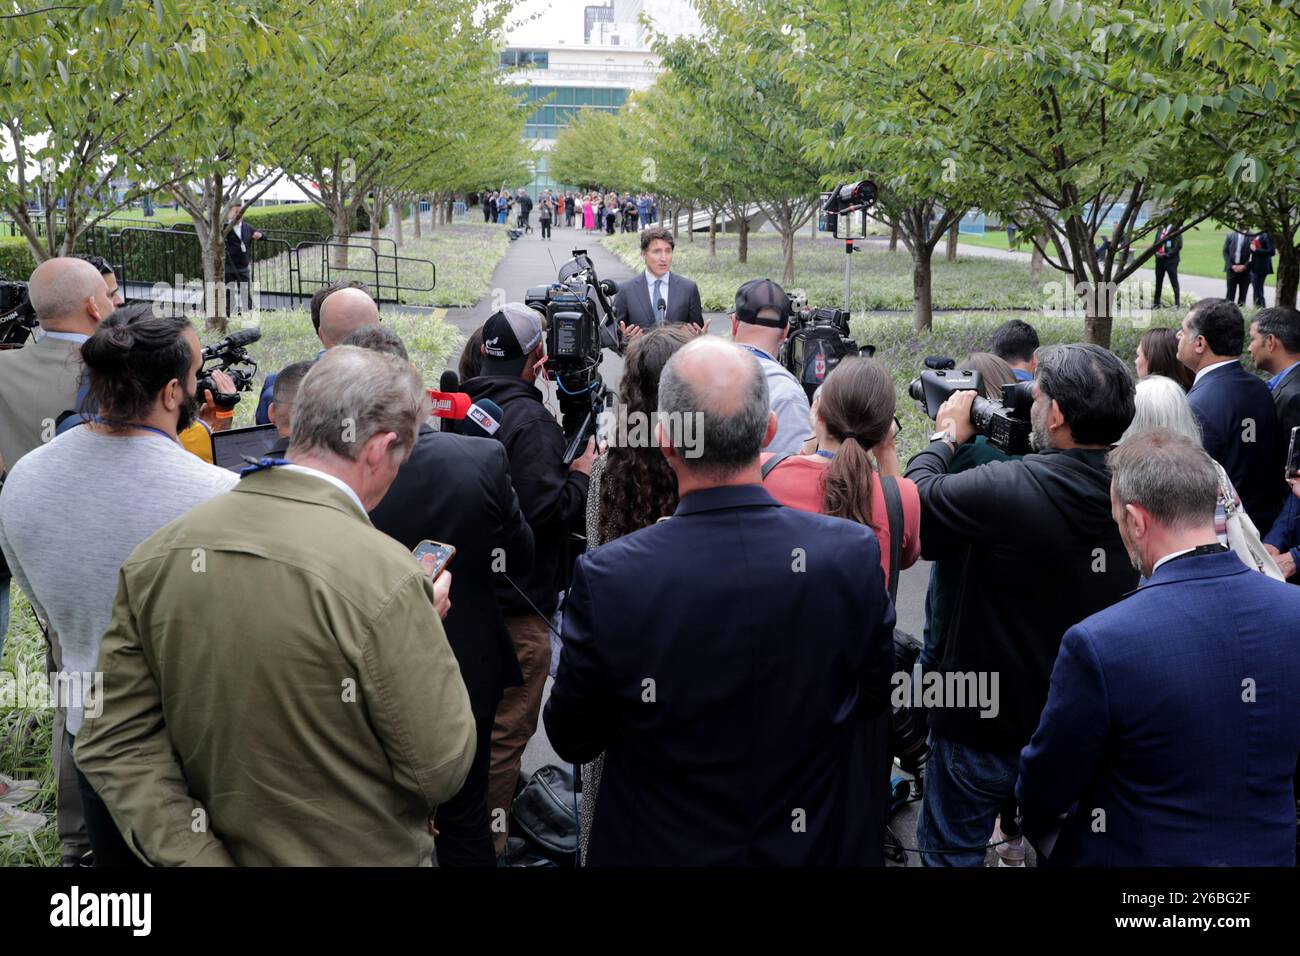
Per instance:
(732,662)
(1172,726)
(1234,408)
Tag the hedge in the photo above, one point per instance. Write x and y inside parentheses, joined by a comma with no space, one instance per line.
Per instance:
(17,261)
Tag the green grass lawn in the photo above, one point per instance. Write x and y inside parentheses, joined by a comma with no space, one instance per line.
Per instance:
(881,279)
(1202,253)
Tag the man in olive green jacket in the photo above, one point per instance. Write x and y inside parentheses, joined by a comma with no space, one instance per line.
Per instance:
(278,689)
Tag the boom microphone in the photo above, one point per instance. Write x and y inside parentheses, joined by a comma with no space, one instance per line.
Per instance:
(235,340)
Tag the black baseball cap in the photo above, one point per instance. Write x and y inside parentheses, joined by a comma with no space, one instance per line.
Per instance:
(509,336)
(757,295)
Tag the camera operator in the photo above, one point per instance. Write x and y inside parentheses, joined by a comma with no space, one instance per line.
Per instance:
(326,728)
(456,489)
(1042,553)
(759,326)
(38,386)
(73,509)
(554,501)
(332,327)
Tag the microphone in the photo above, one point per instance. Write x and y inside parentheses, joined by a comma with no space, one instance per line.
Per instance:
(662,306)
(482,419)
(449,404)
(449,382)
(609,286)
(235,340)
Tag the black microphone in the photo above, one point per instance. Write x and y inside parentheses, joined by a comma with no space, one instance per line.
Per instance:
(609,286)
(662,306)
(483,419)
(449,382)
(235,340)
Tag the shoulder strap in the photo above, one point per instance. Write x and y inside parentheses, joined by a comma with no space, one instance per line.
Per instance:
(771,463)
(894,509)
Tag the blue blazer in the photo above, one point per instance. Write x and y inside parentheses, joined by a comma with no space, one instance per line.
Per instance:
(733,663)
(1225,401)
(1172,727)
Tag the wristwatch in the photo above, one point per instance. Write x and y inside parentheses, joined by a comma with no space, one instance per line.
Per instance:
(944,435)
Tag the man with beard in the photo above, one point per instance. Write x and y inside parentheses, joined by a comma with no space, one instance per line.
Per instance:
(1172,716)
(73,509)
(1040,553)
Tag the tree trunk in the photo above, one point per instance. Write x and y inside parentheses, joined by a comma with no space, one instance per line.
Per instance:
(1097,324)
(787,250)
(922,302)
(341,223)
(397,224)
(1288,270)
(415,208)
(952,243)
(374,208)
(893,238)
(744,240)
(1036,261)
(677,218)
(214,262)
(713,232)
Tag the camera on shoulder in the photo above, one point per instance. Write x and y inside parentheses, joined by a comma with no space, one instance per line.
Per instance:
(1006,424)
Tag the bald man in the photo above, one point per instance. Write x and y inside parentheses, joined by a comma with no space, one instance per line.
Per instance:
(336,311)
(38,384)
(731,663)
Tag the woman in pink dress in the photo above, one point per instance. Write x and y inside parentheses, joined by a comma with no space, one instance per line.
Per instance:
(588,214)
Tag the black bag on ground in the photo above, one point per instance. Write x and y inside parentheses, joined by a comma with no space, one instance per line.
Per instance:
(545,812)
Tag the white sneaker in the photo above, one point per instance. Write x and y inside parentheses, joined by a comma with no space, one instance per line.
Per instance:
(15,822)
(16,792)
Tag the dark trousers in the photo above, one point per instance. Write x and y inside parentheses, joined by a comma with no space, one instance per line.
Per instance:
(609,223)
(105,839)
(1237,283)
(546,228)
(1257,285)
(1165,267)
(487,213)
(238,290)
(464,830)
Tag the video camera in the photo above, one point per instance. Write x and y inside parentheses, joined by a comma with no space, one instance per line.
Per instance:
(17,317)
(818,340)
(1006,424)
(230,355)
(579,322)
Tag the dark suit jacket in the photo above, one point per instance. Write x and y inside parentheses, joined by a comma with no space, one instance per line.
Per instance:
(730,662)
(1230,256)
(1172,252)
(1226,401)
(1176,713)
(457,490)
(1261,259)
(239,258)
(632,303)
(1286,398)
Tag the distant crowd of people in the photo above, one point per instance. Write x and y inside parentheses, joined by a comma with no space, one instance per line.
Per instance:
(592,211)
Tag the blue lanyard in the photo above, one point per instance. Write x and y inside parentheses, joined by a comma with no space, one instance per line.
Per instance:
(147,428)
(261,464)
(825,454)
(753,350)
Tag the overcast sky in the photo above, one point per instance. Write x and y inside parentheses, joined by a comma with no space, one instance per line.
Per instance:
(563,18)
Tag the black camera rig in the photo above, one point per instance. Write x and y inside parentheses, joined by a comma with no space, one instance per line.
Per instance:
(230,355)
(1006,424)
(579,322)
(17,317)
(818,340)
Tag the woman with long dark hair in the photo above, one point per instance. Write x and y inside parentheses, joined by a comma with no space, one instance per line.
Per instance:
(854,427)
(1157,354)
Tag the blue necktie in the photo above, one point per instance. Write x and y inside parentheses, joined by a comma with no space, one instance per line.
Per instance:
(655,304)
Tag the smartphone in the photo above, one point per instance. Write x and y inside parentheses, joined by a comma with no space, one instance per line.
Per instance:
(443,553)
(1293,455)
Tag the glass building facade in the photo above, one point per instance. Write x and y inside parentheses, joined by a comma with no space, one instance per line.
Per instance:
(563,102)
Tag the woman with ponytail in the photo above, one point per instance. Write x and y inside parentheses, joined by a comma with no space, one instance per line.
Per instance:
(854,427)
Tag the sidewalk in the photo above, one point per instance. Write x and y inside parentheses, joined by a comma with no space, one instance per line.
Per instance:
(1200,286)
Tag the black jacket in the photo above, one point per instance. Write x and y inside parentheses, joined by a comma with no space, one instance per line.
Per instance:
(457,490)
(553,498)
(239,247)
(1239,430)
(1173,248)
(735,701)
(1286,398)
(1042,553)
(1261,259)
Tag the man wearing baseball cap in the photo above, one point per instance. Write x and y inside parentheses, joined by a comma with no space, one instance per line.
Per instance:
(759,326)
(553,498)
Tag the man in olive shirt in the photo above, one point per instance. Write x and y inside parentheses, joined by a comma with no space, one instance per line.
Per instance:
(321,718)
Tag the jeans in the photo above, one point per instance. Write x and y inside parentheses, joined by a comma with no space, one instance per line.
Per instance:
(964,791)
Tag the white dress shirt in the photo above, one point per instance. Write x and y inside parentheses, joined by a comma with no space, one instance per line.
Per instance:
(1211,368)
(337,482)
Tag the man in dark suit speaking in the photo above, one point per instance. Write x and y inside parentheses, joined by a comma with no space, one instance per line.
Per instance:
(657,296)
(733,661)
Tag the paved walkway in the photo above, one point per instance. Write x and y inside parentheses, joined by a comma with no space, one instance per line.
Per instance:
(1200,286)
